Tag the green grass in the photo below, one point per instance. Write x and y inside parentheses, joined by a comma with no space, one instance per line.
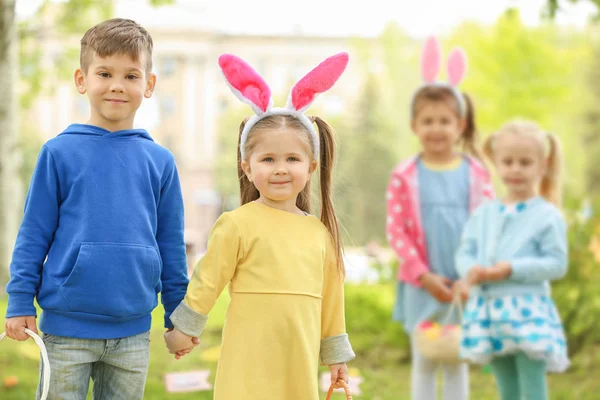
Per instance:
(383,380)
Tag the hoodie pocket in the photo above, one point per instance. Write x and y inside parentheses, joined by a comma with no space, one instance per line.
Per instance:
(115,279)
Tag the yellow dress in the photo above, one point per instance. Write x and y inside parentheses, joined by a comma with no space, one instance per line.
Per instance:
(286,296)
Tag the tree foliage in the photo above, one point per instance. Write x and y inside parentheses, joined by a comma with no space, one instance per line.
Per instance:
(516,71)
(554,7)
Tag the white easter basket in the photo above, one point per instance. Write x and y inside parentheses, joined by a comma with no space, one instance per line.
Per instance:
(45,362)
(446,346)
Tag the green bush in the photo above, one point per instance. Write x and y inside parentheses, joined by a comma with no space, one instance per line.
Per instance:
(577,295)
(377,340)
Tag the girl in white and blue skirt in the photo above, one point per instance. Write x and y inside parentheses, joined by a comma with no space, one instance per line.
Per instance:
(510,250)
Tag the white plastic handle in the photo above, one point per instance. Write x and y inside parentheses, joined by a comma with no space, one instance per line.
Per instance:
(455,306)
(45,363)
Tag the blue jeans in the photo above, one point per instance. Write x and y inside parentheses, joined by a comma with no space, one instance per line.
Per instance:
(118,367)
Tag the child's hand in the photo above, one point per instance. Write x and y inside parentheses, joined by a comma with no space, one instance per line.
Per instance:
(179,343)
(183,352)
(499,272)
(476,275)
(438,286)
(461,289)
(15,327)
(338,371)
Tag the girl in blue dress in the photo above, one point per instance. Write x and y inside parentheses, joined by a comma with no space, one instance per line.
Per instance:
(510,250)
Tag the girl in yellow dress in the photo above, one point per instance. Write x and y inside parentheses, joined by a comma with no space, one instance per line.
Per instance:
(283,265)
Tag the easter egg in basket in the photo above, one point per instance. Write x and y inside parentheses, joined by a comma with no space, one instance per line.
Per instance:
(439,342)
(451,329)
(431,330)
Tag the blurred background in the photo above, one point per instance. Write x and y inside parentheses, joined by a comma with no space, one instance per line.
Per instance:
(537,59)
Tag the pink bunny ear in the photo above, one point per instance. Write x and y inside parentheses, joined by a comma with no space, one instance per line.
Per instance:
(430,60)
(246,83)
(319,80)
(457,66)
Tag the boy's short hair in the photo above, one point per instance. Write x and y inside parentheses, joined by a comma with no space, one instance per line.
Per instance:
(116,36)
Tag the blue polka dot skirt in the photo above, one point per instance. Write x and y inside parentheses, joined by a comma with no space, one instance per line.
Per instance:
(506,325)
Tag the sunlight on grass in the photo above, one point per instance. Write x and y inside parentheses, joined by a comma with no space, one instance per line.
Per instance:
(387,381)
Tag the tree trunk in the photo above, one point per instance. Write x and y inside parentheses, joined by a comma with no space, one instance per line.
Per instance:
(10,189)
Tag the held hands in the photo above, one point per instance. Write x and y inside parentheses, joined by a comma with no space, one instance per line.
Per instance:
(477,274)
(15,327)
(338,371)
(499,272)
(438,286)
(179,343)
(461,289)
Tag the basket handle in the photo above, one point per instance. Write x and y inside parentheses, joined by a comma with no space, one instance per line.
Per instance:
(339,383)
(45,361)
(455,306)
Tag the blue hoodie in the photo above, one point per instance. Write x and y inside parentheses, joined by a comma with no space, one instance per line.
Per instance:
(101,236)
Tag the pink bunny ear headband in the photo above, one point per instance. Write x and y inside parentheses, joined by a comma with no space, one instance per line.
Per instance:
(250,87)
(456,68)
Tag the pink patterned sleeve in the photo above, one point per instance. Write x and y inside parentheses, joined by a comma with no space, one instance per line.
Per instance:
(488,187)
(399,234)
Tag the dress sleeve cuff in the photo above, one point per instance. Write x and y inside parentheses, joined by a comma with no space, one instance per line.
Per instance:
(188,321)
(520,272)
(336,350)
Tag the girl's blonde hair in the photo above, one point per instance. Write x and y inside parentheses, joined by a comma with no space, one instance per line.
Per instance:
(550,185)
(469,136)
(248,191)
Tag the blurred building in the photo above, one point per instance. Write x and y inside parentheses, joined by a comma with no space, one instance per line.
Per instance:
(191,95)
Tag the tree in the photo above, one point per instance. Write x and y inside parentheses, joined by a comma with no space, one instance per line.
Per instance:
(591,139)
(226,164)
(534,73)
(553,7)
(397,78)
(375,135)
(9,157)
(367,157)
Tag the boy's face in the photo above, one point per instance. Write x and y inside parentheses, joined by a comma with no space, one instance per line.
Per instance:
(115,86)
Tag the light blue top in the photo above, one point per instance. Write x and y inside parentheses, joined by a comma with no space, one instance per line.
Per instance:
(444,201)
(532,238)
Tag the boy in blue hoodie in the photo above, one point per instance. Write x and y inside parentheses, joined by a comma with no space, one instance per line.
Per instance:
(102,232)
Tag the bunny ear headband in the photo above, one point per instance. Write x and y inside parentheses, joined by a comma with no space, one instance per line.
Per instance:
(456,68)
(250,87)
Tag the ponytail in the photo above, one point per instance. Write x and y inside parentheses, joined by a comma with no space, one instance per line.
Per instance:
(550,186)
(488,150)
(469,137)
(327,159)
(248,192)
